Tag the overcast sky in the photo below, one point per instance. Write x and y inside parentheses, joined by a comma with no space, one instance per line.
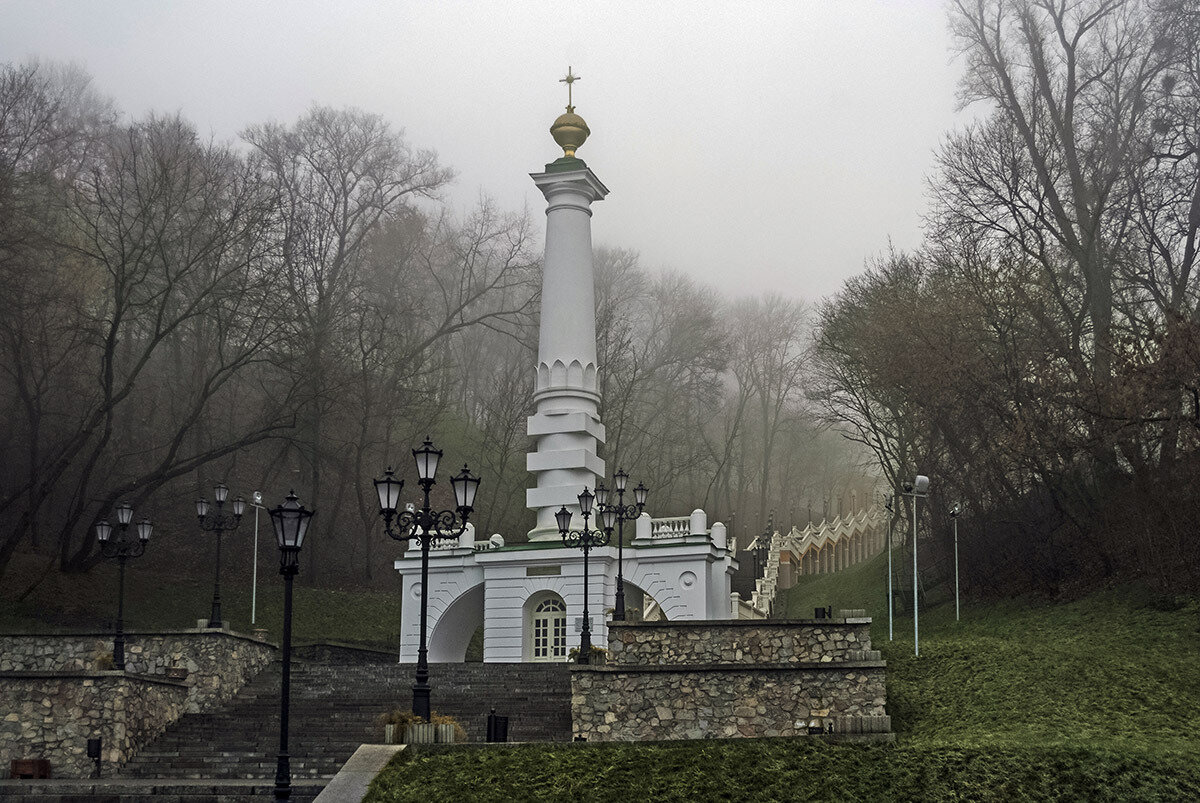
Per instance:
(754,146)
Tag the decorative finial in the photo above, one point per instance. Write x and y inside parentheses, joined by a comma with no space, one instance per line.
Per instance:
(569,130)
(570,79)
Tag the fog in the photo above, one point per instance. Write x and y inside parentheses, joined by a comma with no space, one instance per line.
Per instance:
(754,146)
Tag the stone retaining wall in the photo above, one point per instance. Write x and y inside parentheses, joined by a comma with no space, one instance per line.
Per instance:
(217,662)
(608,704)
(51,715)
(754,641)
(743,678)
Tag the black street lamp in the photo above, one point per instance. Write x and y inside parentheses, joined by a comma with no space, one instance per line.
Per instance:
(624,513)
(122,548)
(586,540)
(917,489)
(891,503)
(760,548)
(426,526)
(219,522)
(291,522)
(955,512)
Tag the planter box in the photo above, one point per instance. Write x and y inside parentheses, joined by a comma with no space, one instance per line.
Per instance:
(423,733)
(420,734)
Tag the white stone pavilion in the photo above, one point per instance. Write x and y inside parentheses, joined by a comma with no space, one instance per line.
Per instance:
(528,597)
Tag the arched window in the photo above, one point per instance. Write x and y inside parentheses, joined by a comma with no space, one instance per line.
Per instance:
(550,630)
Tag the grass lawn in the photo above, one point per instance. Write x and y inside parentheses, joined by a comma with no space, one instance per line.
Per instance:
(162,601)
(1097,699)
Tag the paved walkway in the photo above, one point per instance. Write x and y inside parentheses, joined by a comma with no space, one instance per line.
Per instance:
(158,789)
(351,782)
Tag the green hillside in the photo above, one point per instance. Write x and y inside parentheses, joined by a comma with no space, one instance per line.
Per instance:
(1097,699)
(861,586)
(161,600)
(1113,669)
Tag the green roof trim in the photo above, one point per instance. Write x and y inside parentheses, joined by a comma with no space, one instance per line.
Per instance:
(566,164)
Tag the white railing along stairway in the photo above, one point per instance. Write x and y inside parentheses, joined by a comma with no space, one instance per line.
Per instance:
(825,547)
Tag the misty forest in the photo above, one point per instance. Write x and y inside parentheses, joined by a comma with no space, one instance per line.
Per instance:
(300,307)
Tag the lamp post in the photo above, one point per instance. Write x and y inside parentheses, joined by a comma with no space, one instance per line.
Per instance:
(426,526)
(585,539)
(761,549)
(257,498)
(917,489)
(219,522)
(291,522)
(623,513)
(954,514)
(122,548)
(888,505)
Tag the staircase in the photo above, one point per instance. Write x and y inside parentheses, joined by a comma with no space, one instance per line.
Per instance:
(334,709)
(229,754)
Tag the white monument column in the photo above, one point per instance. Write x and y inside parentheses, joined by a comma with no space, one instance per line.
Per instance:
(566,427)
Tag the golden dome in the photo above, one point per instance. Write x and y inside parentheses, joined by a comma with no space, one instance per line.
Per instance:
(570,132)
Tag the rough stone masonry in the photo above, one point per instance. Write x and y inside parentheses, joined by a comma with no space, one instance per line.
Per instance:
(739,678)
(55,693)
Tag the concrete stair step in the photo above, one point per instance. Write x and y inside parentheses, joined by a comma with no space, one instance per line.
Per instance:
(336,707)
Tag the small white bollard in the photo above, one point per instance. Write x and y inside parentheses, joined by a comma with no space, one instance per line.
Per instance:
(720,537)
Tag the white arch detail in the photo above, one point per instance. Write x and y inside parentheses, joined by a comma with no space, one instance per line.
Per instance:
(450,636)
(678,562)
(652,582)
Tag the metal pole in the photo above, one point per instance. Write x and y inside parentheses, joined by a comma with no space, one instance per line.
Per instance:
(889,551)
(916,606)
(421,687)
(283,771)
(119,641)
(585,641)
(214,618)
(956,617)
(619,607)
(254,573)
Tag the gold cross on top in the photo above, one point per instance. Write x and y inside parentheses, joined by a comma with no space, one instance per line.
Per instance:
(570,79)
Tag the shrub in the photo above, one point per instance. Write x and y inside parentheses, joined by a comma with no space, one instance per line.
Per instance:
(599,655)
(403,717)
(460,733)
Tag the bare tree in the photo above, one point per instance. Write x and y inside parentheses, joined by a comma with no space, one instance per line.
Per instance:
(159,238)
(338,175)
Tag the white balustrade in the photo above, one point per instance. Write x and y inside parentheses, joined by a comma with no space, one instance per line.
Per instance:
(674,527)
